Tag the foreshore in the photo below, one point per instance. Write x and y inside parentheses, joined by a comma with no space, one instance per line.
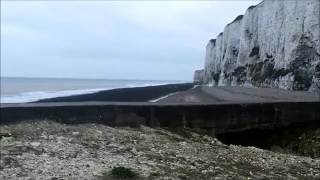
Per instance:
(134,94)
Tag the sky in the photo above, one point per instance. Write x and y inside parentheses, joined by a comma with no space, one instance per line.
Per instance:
(111,40)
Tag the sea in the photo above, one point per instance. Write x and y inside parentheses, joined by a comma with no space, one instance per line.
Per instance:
(21,90)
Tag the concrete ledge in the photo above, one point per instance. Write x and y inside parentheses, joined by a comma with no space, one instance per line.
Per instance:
(218,118)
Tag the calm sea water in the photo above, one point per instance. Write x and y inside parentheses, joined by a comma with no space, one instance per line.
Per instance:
(17,90)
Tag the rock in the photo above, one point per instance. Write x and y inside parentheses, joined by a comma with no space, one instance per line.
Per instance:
(75,133)
(156,154)
(35,144)
(60,139)
(275,44)
(44,136)
(5,134)
(6,139)
(198,76)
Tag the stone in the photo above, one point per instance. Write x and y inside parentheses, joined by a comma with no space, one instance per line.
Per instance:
(75,133)
(35,144)
(198,76)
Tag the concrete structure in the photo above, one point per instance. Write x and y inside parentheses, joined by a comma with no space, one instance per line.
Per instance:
(215,117)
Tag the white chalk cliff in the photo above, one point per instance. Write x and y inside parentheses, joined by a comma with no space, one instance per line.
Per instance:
(275,44)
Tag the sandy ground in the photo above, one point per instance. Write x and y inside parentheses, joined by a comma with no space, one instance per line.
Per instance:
(224,94)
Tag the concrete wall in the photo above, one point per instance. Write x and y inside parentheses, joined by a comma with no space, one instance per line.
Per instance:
(218,118)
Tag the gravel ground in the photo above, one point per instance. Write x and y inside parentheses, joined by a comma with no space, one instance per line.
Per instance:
(239,94)
(49,150)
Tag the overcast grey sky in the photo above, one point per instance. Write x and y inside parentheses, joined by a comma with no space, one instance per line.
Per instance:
(113,40)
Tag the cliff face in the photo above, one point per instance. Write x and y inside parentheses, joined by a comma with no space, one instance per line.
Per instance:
(275,44)
(198,76)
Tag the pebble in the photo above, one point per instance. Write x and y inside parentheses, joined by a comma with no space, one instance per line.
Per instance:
(155,152)
(35,144)
(75,133)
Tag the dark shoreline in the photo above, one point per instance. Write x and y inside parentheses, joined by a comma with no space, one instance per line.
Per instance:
(136,94)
